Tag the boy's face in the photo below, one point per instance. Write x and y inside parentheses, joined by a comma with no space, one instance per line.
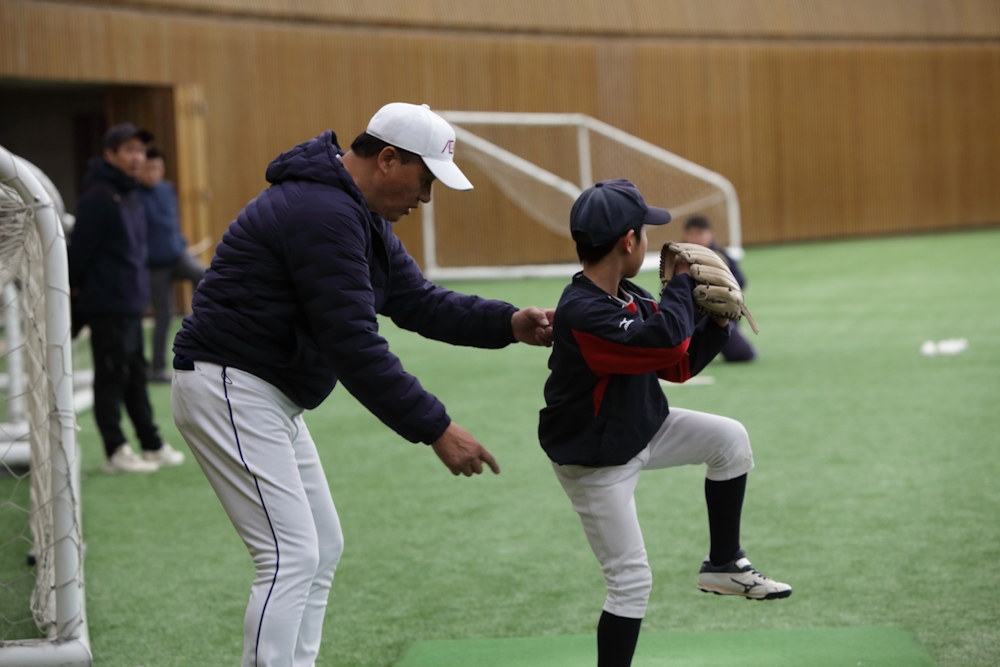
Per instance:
(633,262)
(699,236)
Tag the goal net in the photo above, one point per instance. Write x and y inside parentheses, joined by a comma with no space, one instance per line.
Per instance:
(42,618)
(528,169)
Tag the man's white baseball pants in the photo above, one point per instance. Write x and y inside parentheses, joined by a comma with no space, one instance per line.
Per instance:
(255,449)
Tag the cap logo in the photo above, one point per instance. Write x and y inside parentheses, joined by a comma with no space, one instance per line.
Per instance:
(449,147)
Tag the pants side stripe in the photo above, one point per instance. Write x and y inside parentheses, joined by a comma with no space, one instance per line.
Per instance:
(277,555)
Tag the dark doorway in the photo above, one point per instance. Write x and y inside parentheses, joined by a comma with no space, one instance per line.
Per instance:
(59,126)
(56,127)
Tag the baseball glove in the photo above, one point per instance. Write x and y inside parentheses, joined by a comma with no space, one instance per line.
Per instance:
(717,292)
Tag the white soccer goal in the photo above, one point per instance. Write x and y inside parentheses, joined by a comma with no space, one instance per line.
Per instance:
(42,612)
(540,163)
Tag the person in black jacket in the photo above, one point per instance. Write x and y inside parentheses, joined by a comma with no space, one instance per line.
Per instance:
(606,419)
(109,281)
(697,229)
(285,311)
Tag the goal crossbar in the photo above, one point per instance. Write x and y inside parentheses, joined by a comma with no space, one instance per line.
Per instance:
(464,123)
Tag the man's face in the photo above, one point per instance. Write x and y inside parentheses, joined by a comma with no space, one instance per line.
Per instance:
(128,157)
(402,187)
(151,172)
(698,236)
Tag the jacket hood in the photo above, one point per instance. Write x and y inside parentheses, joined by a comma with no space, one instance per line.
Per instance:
(314,160)
(100,170)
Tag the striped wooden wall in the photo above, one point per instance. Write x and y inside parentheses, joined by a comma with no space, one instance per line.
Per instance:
(852,19)
(821,137)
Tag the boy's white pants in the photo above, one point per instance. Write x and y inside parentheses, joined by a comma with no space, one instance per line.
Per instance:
(256,451)
(603,497)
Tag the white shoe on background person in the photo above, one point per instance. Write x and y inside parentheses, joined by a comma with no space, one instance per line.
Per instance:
(125,460)
(164,456)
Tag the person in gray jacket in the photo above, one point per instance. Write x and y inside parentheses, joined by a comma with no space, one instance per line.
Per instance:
(168,256)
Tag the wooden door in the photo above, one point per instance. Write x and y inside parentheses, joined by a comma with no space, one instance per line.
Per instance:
(176,117)
(193,190)
(148,107)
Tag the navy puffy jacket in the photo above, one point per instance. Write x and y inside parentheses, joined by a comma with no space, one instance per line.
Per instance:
(166,242)
(107,250)
(293,290)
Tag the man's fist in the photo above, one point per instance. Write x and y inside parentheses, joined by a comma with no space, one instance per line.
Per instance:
(533,326)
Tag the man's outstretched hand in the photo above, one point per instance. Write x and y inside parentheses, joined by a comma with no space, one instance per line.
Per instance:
(533,326)
(462,453)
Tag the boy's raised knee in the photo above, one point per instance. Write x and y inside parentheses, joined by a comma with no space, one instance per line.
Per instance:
(734,455)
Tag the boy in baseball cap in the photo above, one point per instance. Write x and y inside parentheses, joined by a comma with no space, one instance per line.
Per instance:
(606,418)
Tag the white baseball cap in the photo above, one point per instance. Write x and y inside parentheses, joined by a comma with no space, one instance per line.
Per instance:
(419,130)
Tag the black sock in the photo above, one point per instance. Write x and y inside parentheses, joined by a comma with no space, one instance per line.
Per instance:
(616,640)
(725,504)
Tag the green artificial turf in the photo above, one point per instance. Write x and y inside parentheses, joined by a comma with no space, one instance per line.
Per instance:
(875,493)
(841,647)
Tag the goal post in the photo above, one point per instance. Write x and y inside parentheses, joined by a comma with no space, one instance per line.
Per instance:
(539,163)
(39,410)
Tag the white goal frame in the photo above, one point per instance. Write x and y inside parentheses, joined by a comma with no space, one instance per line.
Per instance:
(584,124)
(69,643)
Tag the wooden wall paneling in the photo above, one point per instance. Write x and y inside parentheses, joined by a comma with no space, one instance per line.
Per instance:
(194,192)
(980,83)
(821,138)
(758,175)
(872,19)
(829,139)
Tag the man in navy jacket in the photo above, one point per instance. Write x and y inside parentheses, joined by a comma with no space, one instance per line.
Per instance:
(285,311)
(110,284)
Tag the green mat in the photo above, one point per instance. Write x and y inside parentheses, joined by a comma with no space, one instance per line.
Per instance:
(841,647)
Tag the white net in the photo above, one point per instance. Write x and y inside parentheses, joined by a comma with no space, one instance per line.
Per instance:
(28,428)
(519,214)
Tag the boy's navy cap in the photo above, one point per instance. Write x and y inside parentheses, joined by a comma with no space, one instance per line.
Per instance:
(119,134)
(605,212)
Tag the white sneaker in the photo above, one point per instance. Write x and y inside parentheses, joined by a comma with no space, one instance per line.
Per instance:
(125,460)
(164,456)
(738,577)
